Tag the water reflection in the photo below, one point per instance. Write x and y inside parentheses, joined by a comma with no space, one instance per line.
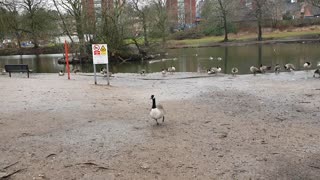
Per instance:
(190,60)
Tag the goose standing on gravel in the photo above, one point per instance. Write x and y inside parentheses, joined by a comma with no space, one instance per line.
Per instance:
(264,68)
(143,72)
(210,72)
(214,70)
(289,67)
(103,71)
(61,73)
(317,71)
(234,71)
(307,65)
(277,69)
(255,70)
(157,111)
(171,69)
(163,72)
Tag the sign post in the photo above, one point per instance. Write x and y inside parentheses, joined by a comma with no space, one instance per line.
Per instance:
(100,56)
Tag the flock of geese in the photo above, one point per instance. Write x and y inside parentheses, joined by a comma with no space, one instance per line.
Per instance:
(164,72)
(157,111)
(254,70)
(288,67)
(103,71)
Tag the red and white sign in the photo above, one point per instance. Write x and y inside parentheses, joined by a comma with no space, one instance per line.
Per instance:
(100,53)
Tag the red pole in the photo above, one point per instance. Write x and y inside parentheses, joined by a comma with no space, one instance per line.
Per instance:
(67,57)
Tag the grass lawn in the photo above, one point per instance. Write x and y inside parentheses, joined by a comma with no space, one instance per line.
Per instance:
(299,32)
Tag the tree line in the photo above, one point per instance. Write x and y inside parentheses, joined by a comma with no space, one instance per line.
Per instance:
(144,23)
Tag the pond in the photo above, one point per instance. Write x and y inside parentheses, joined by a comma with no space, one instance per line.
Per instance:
(190,59)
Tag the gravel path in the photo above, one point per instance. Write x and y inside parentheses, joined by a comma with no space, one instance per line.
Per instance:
(216,127)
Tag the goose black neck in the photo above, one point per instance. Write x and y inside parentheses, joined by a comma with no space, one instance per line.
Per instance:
(154,103)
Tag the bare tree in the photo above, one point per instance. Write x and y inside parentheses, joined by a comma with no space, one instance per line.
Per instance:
(276,10)
(315,3)
(142,11)
(33,24)
(10,19)
(74,8)
(113,25)
(161,21)
(62,18)
(261,11)
(224,10)
(258,13)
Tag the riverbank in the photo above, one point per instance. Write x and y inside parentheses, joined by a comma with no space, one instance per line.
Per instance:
(216,127)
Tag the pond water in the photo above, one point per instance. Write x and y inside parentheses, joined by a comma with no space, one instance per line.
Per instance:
(190,59)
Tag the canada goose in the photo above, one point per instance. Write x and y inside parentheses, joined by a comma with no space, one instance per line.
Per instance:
(163,72)
(210,58)
(264,68)
(277,69)
(61,73)
(255,70)
(157,111)
(317,71)
(289,67)
(143,72)
(234,71)
(210,72)
(219,58)
(216,69)
(103,71)
(307,65)
(171,69)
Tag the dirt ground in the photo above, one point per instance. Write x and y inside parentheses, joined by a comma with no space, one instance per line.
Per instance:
(216,127)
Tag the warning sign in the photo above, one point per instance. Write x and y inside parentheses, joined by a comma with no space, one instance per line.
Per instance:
(100,53)
(103,50)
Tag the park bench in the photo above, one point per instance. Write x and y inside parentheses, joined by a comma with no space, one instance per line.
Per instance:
(17,68)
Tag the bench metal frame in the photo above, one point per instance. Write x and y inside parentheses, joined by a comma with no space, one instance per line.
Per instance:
(17,68)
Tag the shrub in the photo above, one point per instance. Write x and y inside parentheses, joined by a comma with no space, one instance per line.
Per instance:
(193,33)
(219,30)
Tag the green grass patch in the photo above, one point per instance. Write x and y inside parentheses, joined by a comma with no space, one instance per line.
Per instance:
(216,39)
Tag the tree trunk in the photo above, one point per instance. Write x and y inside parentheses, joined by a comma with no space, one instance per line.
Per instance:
(259,30)
(145,35)
(35,41)
(259,24)
(225,29)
